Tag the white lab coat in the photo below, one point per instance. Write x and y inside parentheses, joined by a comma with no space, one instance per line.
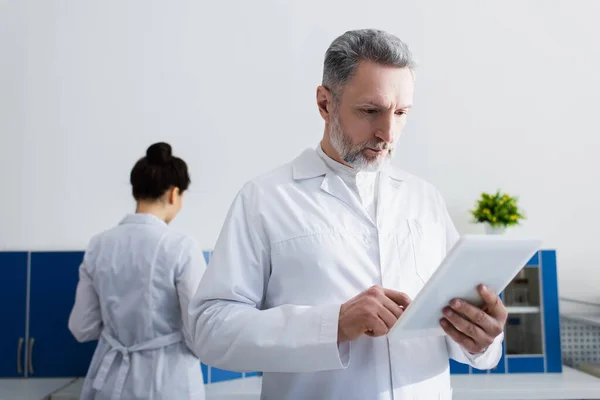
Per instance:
(135,284)
(295,245)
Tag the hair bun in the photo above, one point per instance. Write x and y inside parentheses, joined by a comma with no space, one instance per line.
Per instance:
(159,153)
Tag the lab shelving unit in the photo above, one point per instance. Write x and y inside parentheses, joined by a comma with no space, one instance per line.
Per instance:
(532,342)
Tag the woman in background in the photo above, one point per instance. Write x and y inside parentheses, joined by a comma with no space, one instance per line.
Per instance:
(135,283)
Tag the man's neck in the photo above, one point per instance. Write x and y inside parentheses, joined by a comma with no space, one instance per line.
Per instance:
(331,152)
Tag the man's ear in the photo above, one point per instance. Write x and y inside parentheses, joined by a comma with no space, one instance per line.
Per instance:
(324,102)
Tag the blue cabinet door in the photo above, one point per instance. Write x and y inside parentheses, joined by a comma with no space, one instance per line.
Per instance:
(13,298)
(501,366)
(551,314)
(525,364)
(220,375)
(457,368)
(54,351)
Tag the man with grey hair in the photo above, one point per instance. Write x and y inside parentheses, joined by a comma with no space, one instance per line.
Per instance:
(318,258)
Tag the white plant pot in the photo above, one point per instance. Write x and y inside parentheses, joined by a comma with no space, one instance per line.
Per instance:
(494,230)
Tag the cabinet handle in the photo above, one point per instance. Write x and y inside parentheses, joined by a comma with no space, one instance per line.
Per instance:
(19,350)
(30,354)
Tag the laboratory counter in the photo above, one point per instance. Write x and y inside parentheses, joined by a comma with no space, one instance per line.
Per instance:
(570,385)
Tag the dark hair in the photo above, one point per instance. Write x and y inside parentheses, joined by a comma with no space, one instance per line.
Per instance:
(158,172)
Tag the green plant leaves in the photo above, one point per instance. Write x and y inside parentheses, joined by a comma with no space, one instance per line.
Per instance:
(497,209)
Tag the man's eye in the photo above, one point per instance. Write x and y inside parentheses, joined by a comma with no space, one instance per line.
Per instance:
(370,111)
(400,112)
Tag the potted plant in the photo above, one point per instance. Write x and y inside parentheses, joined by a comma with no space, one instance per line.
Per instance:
(497,211)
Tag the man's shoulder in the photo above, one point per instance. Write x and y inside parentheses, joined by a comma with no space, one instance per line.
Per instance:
(277,177)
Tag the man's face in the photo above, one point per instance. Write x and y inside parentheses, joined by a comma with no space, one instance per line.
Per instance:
(368,117)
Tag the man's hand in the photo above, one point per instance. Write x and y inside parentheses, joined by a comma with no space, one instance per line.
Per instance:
(473,328)
(372,312)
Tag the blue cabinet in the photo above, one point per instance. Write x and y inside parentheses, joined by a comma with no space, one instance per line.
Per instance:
(55,352)
(532,332)
(35,340)
(13,297)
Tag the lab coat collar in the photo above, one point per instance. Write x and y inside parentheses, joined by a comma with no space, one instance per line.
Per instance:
(143,218)
(309,165)
(394,173)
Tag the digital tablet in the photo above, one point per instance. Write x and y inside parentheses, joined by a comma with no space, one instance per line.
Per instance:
(493,260)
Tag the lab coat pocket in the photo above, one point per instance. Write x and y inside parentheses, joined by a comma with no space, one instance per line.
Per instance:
(428,241)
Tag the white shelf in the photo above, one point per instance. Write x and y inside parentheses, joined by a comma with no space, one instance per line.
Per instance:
(580,311)
(593,320)
(522,310)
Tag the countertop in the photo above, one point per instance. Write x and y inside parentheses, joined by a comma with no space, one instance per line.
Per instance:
(31,389)
(570,385)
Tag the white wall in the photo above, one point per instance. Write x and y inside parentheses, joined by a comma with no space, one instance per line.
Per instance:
(507,98)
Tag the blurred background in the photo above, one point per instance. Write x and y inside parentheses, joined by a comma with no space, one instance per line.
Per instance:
(506,99)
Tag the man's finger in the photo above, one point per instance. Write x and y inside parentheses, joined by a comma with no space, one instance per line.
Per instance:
(376,327)
(475,315)
(492,301)
(399,298)
(459,337)
(391,305)
(388,317)
(467,327)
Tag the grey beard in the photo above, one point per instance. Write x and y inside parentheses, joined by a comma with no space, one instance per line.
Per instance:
(353,154)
